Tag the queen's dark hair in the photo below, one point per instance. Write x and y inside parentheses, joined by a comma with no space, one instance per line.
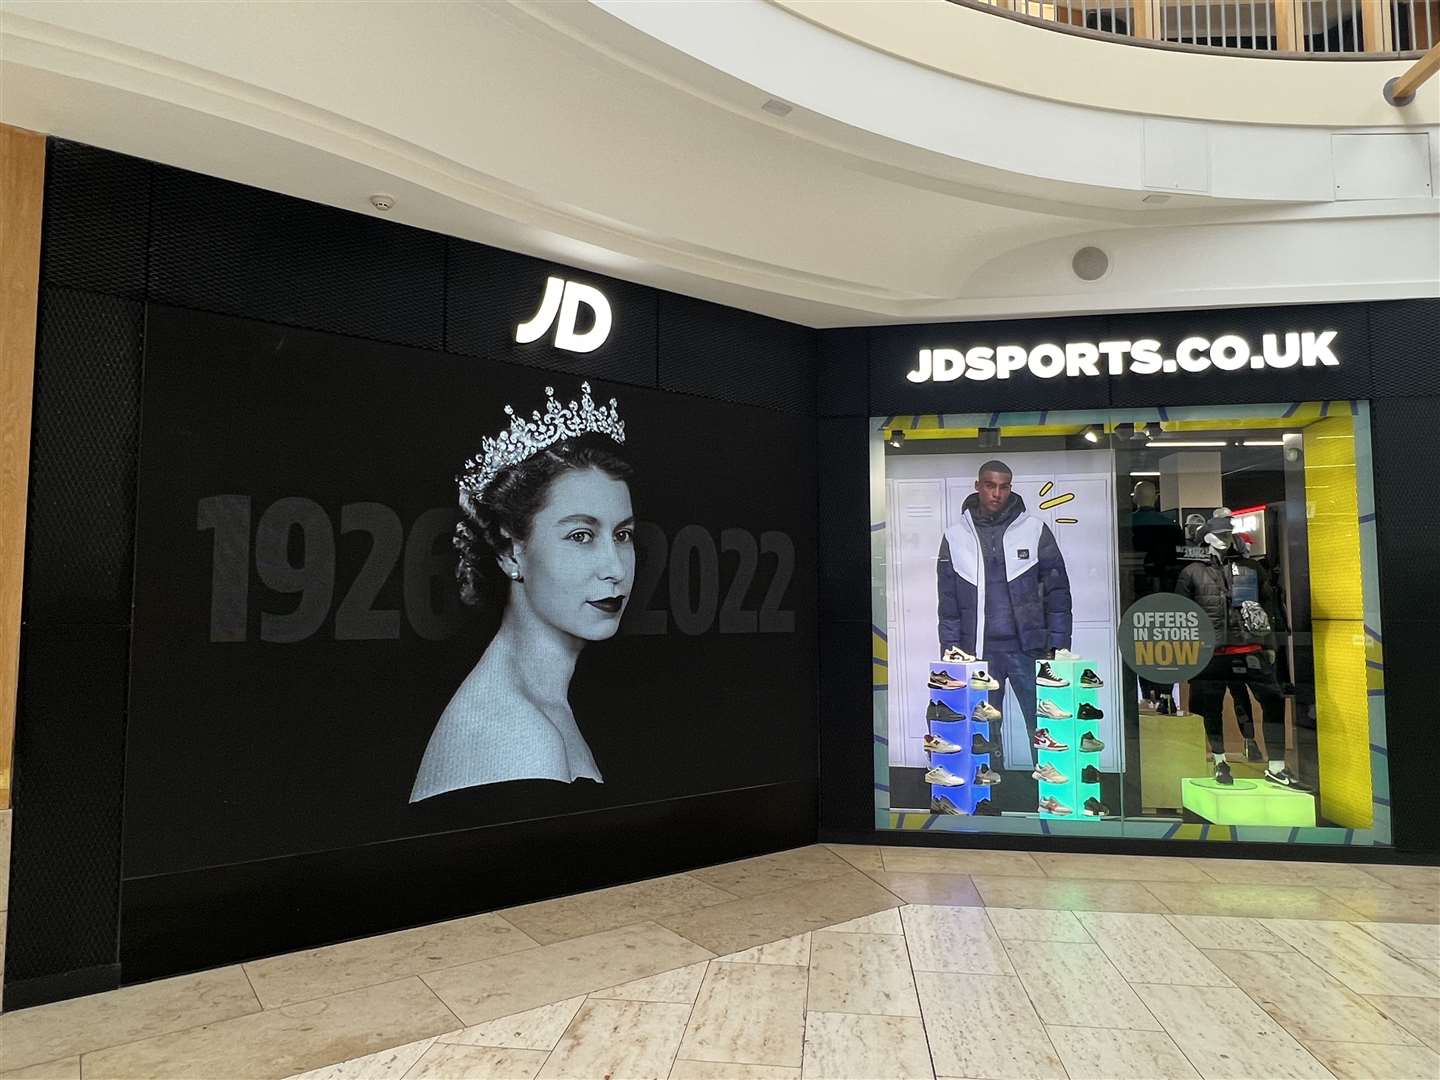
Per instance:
(506,510)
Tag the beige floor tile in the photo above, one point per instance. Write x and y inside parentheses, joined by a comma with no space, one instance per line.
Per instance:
(1146,948)
(503,985)
(863,857)
(1304,1000)
(1405,877)
(677,987)
(1386,904)
(882,922)
(66,1028)
(730,1070)
(1036,924)
(1356,1061)
(1074,985)
(930,888)
(960,861)
(1429,963)
(447,1061)
(1110,1054)
(620,1040)
(990,1030)
(758,920)
(1408,939)
(861,973)
(1356,959)
(279,1042)
(1118,867)
(1250,901)
(283,980)
(954,939)
(1070,894)
(533,1029)
(1227,1036)
(748,1013)
(1227,932)
(390,1064)
(1419,1016)
(1268,872)
(840,1046)
(792,950)
(605,909)
(772,873)
(63,1069)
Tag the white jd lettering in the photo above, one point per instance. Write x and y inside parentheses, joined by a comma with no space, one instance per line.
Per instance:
(563,299)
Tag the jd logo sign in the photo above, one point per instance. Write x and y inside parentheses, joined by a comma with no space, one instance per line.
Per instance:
(563,299)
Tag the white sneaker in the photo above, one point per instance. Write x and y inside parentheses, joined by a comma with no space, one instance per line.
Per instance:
(1051,711)
(986,713)
(957,655)
(1066,654)
(936,745)
(982,680)
(944,777)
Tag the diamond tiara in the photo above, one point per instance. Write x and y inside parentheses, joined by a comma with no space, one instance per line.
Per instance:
(526,437)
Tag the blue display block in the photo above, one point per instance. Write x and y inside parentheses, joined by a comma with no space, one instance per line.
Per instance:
(1070,792)
(961,732)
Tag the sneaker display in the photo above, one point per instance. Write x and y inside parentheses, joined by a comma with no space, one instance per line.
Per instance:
(985,808)
(986,713)
(1089,679)
(1043,741)
(986,776)
(1089,775)
(1222,773)
(1286,779)
(1048,774)
(980,746)
(956,655)
(1089,744)
(942,680)
(1051,711)
(939,804)
(1045,676)
(981,680)
(1252,752)
(1096,808)
(943,777)
(1089,712)
(1052,805)
(936,745)
(1066,654)
(939,712)
(1149,705)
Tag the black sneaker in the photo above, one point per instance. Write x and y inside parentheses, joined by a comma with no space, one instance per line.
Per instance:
(985,808)
(1089,744)
(1286,779)
(979,746)
(1089,775)
(1252,752)
(942,713)
(1096,808)
(1089,679)
(1045,676)
(1089,712)
(939,804)
(1222,773)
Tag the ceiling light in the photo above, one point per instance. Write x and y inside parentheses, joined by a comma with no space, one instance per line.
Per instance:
(1264,442)
(382,202)
(1168,444)
(989,438)
(897,438)
(1152,430)
(1145,472)
(776,107)
(1093,433)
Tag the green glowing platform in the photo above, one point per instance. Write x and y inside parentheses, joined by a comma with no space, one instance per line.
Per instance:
(1247,802)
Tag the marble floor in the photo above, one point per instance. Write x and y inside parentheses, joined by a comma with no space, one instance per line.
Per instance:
(825,962)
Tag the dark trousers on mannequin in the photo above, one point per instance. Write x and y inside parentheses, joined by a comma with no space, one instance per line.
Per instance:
(1244,671)
(1008,664)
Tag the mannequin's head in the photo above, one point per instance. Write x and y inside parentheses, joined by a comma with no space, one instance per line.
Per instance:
(1219,534)
(1145,496)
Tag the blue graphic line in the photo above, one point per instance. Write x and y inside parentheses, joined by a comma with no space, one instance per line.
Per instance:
(929,821)
(1291,409)
(1349,836)
(1375,693)
(1372,633)
(994,420)
(886,422)
(1354,408)
(1171,831)
(900,822)
(883,787)
(1043,413)
(1375,664)
(1204,832)
(942,419)
(1367,517)
(882,740)
(1293,834)
(878,632)
(1164,413)
(1325,408)
(1376,748)
(877,526)
(1044,827)
(914,421)
(877,660)
(1381,802)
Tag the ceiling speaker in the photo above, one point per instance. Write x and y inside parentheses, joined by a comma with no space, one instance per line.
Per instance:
(1090,264)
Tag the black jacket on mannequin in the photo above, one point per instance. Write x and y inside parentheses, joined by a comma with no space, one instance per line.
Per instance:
(1212,585)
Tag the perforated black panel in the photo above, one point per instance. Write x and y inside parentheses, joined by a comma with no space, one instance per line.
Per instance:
(225,247)
(1405,347)
(841,372)
(1407,507)
(735,356)
(97,208)
(81,530)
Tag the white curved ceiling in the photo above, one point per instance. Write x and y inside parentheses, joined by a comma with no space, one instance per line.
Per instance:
(630,138)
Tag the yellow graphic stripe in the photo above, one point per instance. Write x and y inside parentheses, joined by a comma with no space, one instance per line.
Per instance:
(1046,489)
(1059,500)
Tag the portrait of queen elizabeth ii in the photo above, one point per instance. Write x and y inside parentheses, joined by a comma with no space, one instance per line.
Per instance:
(546,538)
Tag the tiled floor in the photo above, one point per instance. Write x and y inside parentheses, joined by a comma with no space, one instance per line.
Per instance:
(843,962)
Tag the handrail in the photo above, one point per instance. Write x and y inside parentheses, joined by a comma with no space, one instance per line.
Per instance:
(1273,29)
(1401,90)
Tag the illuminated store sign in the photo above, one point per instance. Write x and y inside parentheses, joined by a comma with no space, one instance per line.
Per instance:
(563,299)
(1229,352)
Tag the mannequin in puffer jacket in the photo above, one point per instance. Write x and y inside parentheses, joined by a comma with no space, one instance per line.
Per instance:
(1004,594)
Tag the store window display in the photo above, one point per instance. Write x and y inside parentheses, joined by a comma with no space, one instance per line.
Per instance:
(1013,560)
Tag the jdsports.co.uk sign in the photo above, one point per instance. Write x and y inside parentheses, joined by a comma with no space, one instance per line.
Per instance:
(1147,356)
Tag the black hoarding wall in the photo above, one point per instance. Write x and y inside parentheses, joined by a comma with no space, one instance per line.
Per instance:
(225,770)
(1391,357)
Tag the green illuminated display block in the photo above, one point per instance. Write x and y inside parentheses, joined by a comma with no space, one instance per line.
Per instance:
(1247,802)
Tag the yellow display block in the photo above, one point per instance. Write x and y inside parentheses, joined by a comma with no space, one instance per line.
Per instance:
(1247,802)
(1171,748)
